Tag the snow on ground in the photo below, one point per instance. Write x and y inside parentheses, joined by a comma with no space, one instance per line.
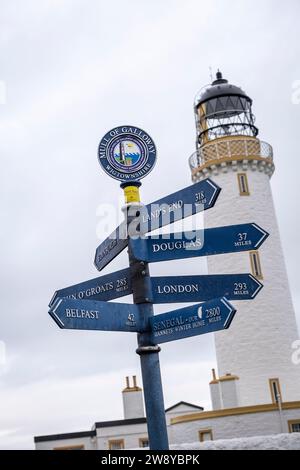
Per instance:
(275,442)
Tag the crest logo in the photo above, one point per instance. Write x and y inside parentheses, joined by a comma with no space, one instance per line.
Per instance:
(127,153)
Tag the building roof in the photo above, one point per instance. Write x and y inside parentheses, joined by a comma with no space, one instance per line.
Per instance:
(69,435)
(184,403)
(120,422)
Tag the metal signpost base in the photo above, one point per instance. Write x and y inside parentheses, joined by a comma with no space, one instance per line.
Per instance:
(153,394)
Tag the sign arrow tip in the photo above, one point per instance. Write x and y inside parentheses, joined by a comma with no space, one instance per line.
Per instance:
(232,312)
(264,235)
(54,315)
(53,299)
(258,284)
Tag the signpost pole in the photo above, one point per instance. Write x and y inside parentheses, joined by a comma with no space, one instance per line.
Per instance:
(148,352)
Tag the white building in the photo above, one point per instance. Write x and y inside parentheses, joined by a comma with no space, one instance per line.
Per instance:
(186,422)
(127,433)
(257,391)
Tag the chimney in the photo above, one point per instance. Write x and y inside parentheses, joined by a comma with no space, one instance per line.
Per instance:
(229,391)
(224,391)
(133,404)
(215,394)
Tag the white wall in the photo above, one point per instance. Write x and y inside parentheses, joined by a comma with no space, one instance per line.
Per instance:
(89,443)
(133,404)
(229,393)
(181,409)
(215,395)
(247,425)
(274,442)
(130,434)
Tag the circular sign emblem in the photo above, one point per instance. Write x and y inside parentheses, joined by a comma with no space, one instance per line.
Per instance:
(127,153)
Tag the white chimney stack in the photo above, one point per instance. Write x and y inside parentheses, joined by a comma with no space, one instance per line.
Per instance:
(133,404)
(215,392)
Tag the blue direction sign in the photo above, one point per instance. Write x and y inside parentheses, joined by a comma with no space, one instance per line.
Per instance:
(111,286)
(176,206)
(184,203)
(200,288)
(199,319)
(111,247)
(96,315)
(211,241)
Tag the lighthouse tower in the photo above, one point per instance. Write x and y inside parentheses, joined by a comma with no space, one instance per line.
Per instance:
(254,355)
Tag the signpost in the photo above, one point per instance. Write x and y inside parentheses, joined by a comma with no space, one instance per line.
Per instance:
(169,289)
(211,241)
(184,203)
(96,315)
(128,153)
(199,319)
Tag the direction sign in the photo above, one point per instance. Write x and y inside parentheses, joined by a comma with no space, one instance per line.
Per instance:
(176,206)
(170,289)
(211,241)
(111,247)
(108,287)
(198,319)
(96,315)
(179,205)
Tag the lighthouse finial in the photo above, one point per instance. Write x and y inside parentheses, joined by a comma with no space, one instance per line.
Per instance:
(219,75)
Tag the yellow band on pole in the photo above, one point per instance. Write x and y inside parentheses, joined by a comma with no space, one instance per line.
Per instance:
(132,194)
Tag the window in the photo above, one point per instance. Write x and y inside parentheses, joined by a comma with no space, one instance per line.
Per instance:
(205,435)
(294,425)
(275,390)
(255,264)
(78,447)
(243,184)
(116,444)
(144,442)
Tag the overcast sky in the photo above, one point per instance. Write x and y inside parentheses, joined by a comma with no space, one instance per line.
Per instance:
(72,70)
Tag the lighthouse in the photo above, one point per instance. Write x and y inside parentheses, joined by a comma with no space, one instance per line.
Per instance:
(254,356)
